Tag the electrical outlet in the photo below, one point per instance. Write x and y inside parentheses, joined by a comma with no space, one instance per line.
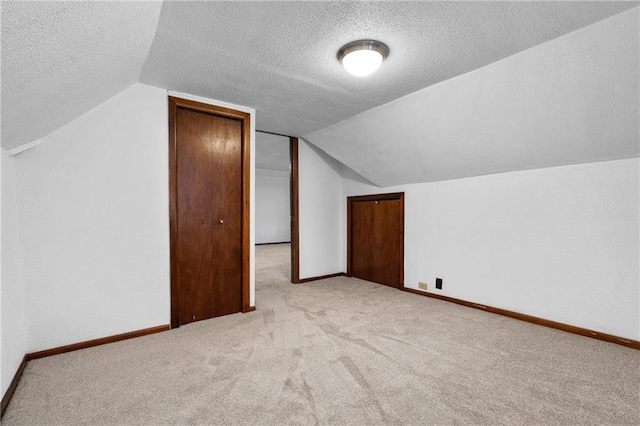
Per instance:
(439,283)
(423,286)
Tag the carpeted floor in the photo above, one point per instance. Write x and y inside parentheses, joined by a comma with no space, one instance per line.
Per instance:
(337,351)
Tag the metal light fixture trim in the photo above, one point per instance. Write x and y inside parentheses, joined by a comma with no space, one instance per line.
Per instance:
(363,45)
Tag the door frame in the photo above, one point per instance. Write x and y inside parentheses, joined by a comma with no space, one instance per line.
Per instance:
(294,204)
(376,197)
(245,119)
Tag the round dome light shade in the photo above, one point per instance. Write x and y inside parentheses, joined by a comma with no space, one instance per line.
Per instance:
(362,57)
(362,62)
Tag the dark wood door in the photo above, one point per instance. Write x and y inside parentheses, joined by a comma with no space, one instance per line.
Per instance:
(376,238)
(209,214)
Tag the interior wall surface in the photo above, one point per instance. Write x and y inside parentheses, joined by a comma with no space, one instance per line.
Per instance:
(93,200)
(12,303)
(2,389)
(321,215)
(93,205)
(273,214)
(557,243)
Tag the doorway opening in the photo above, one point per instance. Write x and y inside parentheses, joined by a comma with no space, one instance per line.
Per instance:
(276,224)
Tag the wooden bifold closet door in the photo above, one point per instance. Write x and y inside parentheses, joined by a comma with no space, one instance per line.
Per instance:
(207,213)
(376,238)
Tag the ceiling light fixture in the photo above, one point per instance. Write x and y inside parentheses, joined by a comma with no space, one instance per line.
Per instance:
(362,57)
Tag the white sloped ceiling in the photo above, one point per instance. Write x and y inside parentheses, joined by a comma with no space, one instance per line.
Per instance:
(280,57)
(60,59)
(572,100)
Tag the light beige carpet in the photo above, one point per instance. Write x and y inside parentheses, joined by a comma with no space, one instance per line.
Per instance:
(338,351)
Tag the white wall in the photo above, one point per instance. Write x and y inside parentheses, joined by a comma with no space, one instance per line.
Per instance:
(321,213)
(12,306)
(93,204)
(94,220)
(2,385)
(273,213)
(557,243)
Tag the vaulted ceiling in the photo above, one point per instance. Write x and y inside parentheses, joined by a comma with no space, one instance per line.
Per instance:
(60,59)
(575,99)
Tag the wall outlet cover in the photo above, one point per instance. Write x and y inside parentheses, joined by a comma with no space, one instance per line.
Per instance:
(422,286)
(439,283)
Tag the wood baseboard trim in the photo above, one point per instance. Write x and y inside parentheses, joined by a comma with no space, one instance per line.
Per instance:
(12,387)
(69,348)
(535,320)
(321,277)
(249,309)
(96,342)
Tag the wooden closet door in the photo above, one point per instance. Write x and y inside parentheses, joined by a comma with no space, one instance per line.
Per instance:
(376,238)
(209,215)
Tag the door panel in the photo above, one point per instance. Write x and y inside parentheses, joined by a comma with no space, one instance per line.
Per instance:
(227,211)
(194,242)
(209,215)
(362,240)
(387,242)
(376,238)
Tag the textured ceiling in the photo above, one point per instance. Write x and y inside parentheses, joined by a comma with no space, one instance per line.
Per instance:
(272,152)
(575,99)
(61,59)
(280,57)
